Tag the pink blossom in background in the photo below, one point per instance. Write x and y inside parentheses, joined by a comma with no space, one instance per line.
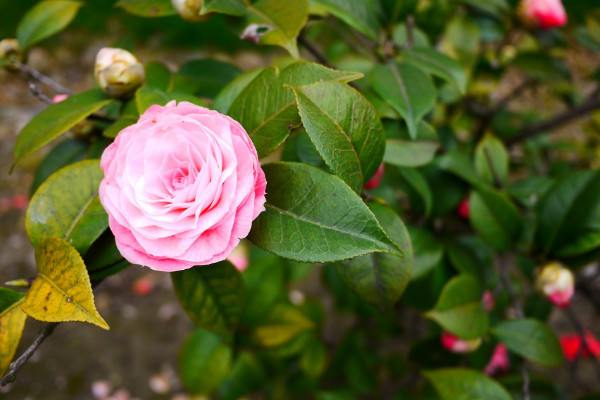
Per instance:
(488,301)
(239,257)
(59,97)
(457,345)
(499,362)
(181,187)
(543,14)
(463,209)
(557,283)
(375,180)
(572,344)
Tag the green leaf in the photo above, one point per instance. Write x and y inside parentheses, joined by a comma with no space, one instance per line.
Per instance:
(229,93)
(439,64)
(313,359)
(314,216)
(406,153)
(146,97)
(460,165)
(65,153)
(407,89)
(12,322)
(70,211)
(228,7)
(416,181)
(62,291)
(147,8)
(459,309)
(209,75)
(464,260)
(158,75)
(543,67)
(211,295)
(581,244)
(428,252)
(276,22)
(56,120)
(494,7)
(531,339)
(123,122)
(400,37)
(465,384)
(283,324)
(247,375)
(267,109)
(361,15)
(380,279)
(345,129)
(491,159)
(45,19)
(495,217)
(204,362)
(564,211)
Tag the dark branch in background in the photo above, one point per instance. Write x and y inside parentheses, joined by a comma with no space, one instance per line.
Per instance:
(11,373)
(589,105)
(410,31)
(520,314)
(495,174)
(38,76)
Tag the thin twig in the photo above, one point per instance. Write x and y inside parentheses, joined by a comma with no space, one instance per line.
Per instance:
(589,105)
(410,31)
(38,76)
(11,373)
(314,51)
(525,375)
(38,93)
(495,173)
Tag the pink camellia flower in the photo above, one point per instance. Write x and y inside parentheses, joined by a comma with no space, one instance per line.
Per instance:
(181,187)
(556,283)
(239,257)
(457,345)
(375,180)
(543,14)
(463,209)
(499,362)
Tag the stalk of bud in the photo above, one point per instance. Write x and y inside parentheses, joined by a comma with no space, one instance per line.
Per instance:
(118,72)
(10,51)
(557,283)
(457,345)
(542,14)
(189,10)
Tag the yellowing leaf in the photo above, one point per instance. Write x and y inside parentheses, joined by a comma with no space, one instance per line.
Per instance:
(62,289)
(12,321)
(285,324)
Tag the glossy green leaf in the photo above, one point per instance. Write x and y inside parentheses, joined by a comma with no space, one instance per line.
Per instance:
(204,362)
(70,211)
(400,37)
(361,15)
(209,75)
(531,339)
(407,89)
(380,279)
(542,66)
(56,120)
(276,22)
(147,96)
(406,153)
(211,295)
(229,93)
(564,211)
(344,128)
(439,64)
(465,384)
(65,153)
(123,122)
(428,252)
(147,8)
(495,217)
(158,75)
(418,183)
(228,7)
(459,309)
(460,165)
(45,19)
(494,7)
(62,291)
(583,243)
(491,160)
(12,322)
(267,109)
(314,216)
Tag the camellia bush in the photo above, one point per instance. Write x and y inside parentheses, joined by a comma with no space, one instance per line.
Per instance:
(397,157)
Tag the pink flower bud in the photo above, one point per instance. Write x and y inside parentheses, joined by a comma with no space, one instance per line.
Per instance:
(556,283)
(375,180)
(457,345)
(463,209)
(59,97)
(543,14)
(118,72)
(499,362)
(488,301)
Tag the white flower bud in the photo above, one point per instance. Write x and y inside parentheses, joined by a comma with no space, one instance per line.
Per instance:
(189,10)
(556,283)
(118,72)
(10,50)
